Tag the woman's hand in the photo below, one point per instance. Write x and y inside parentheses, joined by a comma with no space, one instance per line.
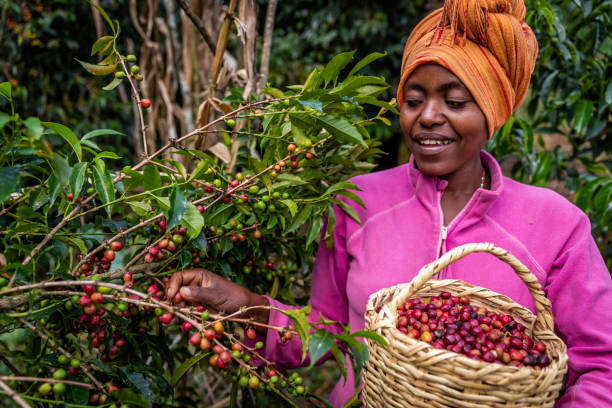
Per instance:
(210,290)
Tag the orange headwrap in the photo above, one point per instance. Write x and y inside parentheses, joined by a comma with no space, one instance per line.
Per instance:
(486,44)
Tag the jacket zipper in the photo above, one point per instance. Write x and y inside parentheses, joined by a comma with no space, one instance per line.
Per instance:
(443,234)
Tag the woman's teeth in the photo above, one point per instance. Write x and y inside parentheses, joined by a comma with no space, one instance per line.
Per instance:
(434,142)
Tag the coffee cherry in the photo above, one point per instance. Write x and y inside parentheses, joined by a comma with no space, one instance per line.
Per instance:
(253,382)
(44,389)
(165,318)
(69,196)
(251,334)
(259,345)
(195,339)
(205,344)
(109,255)
(218,327)
(97,297)
(145,103)
(291,148)
(59,374)
(230,123)
(210,334)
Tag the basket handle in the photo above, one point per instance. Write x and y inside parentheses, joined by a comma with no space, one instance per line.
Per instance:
(542,304)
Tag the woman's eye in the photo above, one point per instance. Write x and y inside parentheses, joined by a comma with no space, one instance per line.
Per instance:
(456,104)
(412,102)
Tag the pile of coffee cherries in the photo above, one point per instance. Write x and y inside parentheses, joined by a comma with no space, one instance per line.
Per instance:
(450,322)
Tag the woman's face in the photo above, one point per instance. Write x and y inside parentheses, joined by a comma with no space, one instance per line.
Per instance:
(443,126)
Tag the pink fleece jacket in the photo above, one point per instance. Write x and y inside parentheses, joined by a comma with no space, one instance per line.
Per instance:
(402,230)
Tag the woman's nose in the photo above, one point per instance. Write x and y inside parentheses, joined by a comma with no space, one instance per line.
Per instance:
(431,114)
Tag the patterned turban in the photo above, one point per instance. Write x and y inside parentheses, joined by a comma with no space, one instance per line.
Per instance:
(486,44)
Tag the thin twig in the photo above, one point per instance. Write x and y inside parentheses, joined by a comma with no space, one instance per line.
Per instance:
(18,400)
(197,22)
(47,380)
(53,344)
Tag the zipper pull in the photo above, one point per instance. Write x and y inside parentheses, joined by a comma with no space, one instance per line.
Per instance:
(444,232)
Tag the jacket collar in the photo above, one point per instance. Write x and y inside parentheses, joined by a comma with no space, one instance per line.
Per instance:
(429,189)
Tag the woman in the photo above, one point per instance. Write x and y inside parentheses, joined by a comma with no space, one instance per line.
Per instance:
(465,69)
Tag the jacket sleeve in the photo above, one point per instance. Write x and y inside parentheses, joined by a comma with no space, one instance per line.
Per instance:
(580,290)
(327,296)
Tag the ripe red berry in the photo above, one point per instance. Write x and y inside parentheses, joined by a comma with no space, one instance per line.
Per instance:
(109,254)
(127,277)
(84,301)
(218,349)
(116,246)
(165,318)
(251,333)
(225,357)
(294,164)
(145,103)
(69,196)
(309,156)
(291,148)
(153,250)
(200,208)
(195,339)
(209,334)
(237,347)
(97,297)
(186,326)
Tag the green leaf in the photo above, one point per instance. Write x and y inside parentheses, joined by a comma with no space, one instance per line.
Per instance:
(542,171)
(608,95)
(9,177)
(101,132)
(314,230)
(293,208)
(354,401)
(133,180)
(333,67)
(371,335)
(79,395)
(185,366)
(142,208)
(352,196)
(34,126)
(68,136)
(200,242)
(340,360)
(359,351)
(98,70)
(4,119)
(299,317)
(584,195)
(603,196)
(192,220)
(583,114)
(376,102)
(313,81)
(331,222)
(151,177)
(342,185)
(77,242)
(286,179)
(106,155)
(365,61)
(300,219)
(104,186)
(101,44)
(299,137)
(5,91)
(61,168)
(342,129)
(103,13)
(201,167)
(140,382)
(320,343)
(177,207)
(354,85)
(54,188)
(348,209)
(77,178)
(112,84)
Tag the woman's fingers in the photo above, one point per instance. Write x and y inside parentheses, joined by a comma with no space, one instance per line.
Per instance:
(183,278)
(205,296)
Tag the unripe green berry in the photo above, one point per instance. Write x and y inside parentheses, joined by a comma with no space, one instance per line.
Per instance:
(59,374)
(130,58)
(135,69)
(62,359)
(44,389)
(75,363)
(119,74)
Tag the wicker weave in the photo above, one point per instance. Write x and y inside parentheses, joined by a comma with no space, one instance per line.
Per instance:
(410,372)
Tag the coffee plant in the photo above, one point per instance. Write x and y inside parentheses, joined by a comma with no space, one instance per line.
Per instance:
(86,251)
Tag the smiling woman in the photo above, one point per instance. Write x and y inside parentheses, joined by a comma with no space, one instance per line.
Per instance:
(465,69)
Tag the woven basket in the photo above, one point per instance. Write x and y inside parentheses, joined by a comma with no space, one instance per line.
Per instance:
(410,372)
